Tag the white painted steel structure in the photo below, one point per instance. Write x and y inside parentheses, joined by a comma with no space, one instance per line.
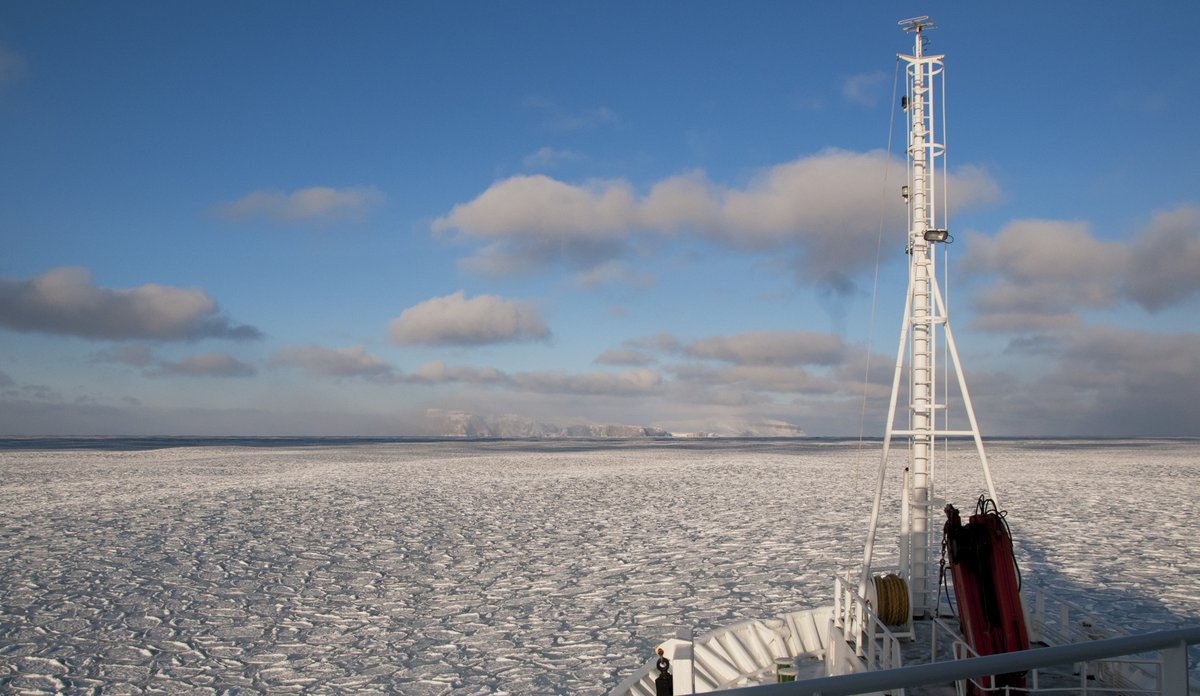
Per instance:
(849,638)
(925,329)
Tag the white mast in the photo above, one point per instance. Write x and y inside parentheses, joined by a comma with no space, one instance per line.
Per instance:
(924,315)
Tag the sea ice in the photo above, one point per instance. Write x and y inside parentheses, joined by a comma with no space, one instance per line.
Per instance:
(510,567)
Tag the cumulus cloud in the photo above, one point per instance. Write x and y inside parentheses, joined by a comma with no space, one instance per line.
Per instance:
(439,372)
(65,301)
(749,368)
(624,356)
(316,204)
(784,348)
(614,273)
(1043,271)
(741,369)
(1165,259)
(771,348)
(456,320)
(758,378)
(1038,273)
(353,361)
(534,206)
(205,365)
(826,206)
(1107,380)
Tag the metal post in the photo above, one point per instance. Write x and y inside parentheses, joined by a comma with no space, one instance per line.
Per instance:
(1175,670)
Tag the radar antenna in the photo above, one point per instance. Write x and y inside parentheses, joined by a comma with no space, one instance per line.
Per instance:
(917,24)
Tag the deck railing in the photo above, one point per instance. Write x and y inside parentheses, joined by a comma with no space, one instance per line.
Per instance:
(874,643)
(1055,621)
(1171,646)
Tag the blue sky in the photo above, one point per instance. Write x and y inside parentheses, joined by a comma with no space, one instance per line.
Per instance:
(330,218)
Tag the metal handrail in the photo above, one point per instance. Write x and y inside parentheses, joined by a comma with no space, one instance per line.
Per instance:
(853,614)
(1174,642)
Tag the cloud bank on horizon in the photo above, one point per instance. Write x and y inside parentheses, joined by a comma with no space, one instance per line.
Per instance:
(592,245)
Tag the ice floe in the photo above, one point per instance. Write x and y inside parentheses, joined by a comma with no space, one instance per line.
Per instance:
(507,567)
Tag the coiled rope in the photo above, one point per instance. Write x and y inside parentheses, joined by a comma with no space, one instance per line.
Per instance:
(891,599)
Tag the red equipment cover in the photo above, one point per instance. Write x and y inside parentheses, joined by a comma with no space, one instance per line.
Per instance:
(986,586)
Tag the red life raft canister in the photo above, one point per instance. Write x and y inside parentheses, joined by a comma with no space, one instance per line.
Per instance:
(986,586)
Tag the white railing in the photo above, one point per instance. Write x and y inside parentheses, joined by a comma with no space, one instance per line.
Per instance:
(1127,676)
(875,646)
(1055,621)
(1171,645)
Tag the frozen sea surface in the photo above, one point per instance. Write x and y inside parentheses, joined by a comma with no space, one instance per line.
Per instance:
(508,567)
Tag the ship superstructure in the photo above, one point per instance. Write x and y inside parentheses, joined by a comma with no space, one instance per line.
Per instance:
(885,620)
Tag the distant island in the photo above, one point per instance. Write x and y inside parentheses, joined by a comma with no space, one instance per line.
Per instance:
(464,424)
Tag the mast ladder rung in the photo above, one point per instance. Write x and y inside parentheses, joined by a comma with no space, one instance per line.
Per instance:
(935,433)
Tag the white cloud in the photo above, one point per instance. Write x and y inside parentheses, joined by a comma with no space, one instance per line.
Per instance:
(456,320)
(1165,259)
(1102,380)
(549,158)
(758,378)
(1031,250)
(597,383)
(1038,273)
(632,382)
(865,89)
(65,301)
(614,273)
(537,205)
(1043,271)
(771,348)
(206,365)
(353,361)
(316,204)
(439,372)
(826,206)
(558,118)
(624,356)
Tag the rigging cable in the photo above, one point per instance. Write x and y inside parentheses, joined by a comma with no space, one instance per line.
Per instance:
(862,415)
(946,292)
